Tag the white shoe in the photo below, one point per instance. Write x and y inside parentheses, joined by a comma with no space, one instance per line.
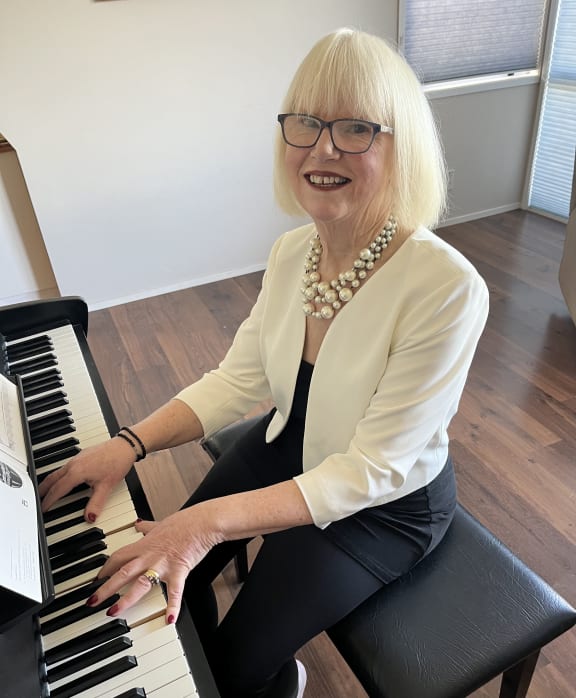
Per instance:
(301,678)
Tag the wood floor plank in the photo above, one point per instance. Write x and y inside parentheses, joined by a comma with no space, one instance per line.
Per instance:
(513,441)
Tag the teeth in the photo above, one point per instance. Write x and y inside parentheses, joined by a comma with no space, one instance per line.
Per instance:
(317,179)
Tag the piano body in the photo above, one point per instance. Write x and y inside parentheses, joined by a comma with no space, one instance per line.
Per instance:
(64,649)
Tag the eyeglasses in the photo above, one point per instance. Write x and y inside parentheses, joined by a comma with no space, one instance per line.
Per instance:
(352,136)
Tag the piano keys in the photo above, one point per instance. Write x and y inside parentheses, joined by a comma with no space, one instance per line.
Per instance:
(73,649)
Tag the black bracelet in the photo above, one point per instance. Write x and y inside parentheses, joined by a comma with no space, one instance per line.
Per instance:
(129,440)
(143,453)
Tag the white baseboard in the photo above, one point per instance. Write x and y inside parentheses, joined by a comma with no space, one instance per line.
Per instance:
(453,220)
(199,281)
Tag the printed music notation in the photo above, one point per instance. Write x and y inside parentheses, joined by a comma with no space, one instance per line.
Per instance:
(20,569)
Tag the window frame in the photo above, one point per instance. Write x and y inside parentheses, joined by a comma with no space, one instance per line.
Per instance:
(553,9)
(490,81)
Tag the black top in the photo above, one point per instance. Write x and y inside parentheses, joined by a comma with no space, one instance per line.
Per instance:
(388,539)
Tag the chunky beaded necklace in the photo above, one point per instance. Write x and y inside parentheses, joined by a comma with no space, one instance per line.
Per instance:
(331,295)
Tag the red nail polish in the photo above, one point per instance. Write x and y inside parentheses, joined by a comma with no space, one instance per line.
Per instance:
(170,619)
(113,610)
(91,518)
(92,601)
(138,520)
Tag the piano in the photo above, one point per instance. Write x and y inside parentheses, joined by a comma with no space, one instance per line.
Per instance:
(60,647)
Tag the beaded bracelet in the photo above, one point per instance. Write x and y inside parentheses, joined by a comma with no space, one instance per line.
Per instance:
(129,440)
(139,455)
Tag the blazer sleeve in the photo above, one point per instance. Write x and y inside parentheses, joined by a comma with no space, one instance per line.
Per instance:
(411,407)
(239,383)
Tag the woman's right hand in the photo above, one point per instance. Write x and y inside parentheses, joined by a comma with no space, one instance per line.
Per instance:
(102,467)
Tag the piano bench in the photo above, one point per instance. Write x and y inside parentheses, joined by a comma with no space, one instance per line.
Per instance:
(467,613)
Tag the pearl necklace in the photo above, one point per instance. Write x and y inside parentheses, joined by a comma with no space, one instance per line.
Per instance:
(338,291)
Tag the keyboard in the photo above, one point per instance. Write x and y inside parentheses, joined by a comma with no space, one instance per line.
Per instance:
(78,650)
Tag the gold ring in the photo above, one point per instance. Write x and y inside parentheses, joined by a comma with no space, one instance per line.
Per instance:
(152,576)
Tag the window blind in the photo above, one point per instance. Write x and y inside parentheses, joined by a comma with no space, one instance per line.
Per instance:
(553,162)
(448,39)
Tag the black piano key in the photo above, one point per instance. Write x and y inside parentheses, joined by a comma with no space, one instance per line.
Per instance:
(92,563)
(48,402)
(44,451)
(65,509)
(24,334)
(63,547)
(48,427)
(43,386)
(42,435)
(82,593)
(54,457)
(132,693)
(99,654)
(46,375)
(30,365)
(56,417)
(63,525)
(33,347)
(75,614)
(91,638)
(85,551)
(115,668)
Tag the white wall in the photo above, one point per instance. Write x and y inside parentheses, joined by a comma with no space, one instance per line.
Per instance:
(487,139)
(144,129)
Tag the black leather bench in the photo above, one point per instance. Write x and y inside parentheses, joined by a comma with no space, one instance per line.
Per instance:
(468,613)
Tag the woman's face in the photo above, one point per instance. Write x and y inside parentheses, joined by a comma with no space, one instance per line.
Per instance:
(339,188)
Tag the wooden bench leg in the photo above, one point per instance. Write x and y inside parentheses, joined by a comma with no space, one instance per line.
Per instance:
(516,680)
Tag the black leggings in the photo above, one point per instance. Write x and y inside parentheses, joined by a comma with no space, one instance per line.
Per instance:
(299,584)
(302,580)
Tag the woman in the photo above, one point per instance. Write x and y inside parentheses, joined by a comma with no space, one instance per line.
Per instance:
(362,335)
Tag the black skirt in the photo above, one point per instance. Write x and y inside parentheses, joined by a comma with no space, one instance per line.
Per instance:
(388,539)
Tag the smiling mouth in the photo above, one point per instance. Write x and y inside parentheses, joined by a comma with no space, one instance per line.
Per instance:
(326,182)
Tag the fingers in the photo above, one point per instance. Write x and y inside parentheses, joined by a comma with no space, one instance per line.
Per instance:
(131,577)
(126,573)
(97,501)
(145,527)
(136,591)
(56,486)
(175,593)
(59,483)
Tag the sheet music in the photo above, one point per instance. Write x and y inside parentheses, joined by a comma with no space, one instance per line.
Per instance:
(20,569)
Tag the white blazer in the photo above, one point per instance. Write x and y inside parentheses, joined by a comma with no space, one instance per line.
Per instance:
(387,380)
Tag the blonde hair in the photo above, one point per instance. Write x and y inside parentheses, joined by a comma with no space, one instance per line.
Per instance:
(362,73)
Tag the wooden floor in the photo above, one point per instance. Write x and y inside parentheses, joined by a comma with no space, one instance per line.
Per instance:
(513,440)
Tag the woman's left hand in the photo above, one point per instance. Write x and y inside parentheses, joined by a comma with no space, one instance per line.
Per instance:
(171,547)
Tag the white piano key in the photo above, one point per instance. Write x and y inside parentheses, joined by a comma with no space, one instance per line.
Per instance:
(113,542)
(119,494)
(152,605)
(51,466)
(150,637)
(110,511)
(134,633)
(154,670)
(109,524)
(93,437)
(71,365)
(160,684)
(184,687)
(152,651)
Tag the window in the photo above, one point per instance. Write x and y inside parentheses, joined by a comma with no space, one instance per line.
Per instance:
(452,40)
(551,177)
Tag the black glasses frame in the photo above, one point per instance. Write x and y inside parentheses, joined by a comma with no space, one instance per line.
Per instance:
(376,129)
